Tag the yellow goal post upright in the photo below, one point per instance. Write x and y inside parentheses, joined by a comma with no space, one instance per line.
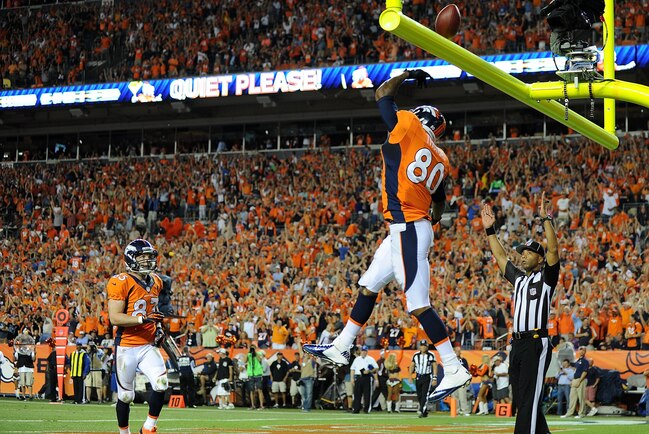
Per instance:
(536,95)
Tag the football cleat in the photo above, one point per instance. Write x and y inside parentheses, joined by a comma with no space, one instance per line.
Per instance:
(455,376)
(149,431)
(328,352)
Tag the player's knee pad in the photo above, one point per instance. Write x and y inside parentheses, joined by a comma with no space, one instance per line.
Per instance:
(161,383)
(126,396)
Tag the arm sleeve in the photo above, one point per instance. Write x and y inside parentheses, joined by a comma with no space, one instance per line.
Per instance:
(551,274)
(439,195)
(388,109)
(116,289)
(164,299)
(512,272)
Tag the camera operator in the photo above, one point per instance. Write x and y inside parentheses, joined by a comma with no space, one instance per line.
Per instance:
(571,23)
(362,373)
(94,378)
(255,370)
(186,365)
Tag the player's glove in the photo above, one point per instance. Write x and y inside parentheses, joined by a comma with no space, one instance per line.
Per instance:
(159,337)
(420,75)
(156,317)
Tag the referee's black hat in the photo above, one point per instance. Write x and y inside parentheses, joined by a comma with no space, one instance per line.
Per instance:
(532,246)
(423,342)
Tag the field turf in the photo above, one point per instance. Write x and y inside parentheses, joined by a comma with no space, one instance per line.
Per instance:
(40,417)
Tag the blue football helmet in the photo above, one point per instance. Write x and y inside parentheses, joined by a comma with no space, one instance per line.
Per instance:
(432,119)
(141,257)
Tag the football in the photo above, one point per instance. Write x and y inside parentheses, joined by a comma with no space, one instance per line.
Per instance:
(448,21)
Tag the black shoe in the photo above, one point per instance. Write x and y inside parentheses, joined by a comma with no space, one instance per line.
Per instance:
(424,414)
(355,411)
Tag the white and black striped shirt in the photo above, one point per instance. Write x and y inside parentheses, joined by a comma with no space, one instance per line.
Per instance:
(532,295)
(423,363)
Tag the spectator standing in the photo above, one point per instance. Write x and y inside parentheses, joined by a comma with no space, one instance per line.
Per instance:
(461,394)
(186,365)
(501,376)
(578,386)
(280,335)
(424,366)
(224,379)
(564,378)
(51,378)
(362,373)
(279,371)
(24,356)
(592,381)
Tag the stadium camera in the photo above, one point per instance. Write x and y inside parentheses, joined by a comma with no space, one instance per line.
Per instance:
(571,23)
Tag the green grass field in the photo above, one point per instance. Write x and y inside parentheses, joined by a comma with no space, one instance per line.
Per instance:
(40,417)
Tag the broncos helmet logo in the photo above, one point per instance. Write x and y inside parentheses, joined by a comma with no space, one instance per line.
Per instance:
(432,119)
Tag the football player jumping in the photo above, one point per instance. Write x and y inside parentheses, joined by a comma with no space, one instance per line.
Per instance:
(414,169)
(132,307)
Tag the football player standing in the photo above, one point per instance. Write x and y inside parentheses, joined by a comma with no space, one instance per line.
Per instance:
(132,307)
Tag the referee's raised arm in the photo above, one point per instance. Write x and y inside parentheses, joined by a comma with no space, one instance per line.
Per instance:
(552,254)
(488,221)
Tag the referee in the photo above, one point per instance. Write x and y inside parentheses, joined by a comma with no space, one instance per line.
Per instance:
(533,291)
(424,366)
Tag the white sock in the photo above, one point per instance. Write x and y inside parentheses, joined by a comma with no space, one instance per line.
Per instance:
(447,354)
(125,430)
(150,422)
(347,337)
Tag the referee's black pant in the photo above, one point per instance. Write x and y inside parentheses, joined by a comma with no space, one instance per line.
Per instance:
(528,363)
(422,385)
(362,389)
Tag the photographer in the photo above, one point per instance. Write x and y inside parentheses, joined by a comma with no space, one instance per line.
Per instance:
(571,22)
(255,371)
(564,377)
(362,373)
(94,378)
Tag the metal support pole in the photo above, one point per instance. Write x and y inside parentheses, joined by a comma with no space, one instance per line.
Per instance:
(609,62)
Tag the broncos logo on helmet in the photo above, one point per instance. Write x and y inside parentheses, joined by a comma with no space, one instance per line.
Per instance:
(141,257)
(432,119)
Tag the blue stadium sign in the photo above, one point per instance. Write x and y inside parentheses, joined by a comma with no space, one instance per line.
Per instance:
(303,80)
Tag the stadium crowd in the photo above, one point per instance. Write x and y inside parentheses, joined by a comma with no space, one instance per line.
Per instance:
(125,40)
(269,249)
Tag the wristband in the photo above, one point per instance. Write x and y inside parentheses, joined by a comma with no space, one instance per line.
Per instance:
(547,218)
(434,377)
(490,231)
(140,319)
